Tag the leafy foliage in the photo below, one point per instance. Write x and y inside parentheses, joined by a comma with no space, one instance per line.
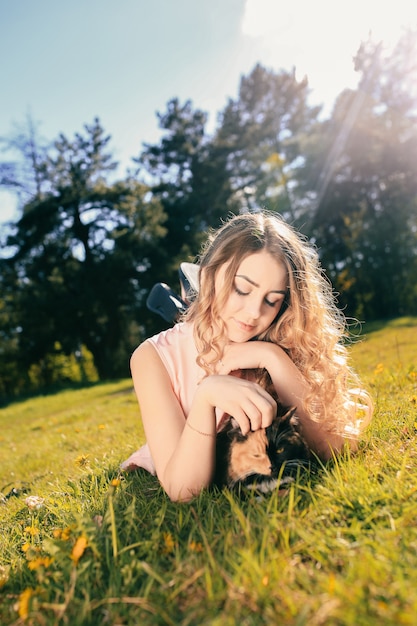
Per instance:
(190,180)
(262,132)
(366,217)
(81,249)
(77,266)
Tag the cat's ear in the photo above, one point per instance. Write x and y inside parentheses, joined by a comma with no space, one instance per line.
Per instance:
(234,424)
(234,430)
(289,417)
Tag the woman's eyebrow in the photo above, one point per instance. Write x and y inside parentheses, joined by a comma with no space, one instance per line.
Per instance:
(252,282)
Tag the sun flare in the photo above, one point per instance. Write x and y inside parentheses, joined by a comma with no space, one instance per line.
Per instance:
(320,39)
(325,17)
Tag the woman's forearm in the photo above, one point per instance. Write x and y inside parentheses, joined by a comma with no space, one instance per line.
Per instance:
(292,390)
(183,458)
(190,468)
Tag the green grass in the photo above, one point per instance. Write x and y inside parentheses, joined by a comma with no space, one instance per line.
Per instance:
(339,548)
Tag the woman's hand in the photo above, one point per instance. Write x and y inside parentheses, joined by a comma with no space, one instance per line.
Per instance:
(248,355)
(289,384)
(246,401)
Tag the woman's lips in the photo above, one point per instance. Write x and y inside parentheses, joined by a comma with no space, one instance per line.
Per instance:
(247,328)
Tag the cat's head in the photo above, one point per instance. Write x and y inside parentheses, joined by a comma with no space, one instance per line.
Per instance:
(285,442)
(262,459)
(248,454)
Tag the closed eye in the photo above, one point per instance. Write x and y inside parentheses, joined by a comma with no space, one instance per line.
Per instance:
(272,304)
(246,293)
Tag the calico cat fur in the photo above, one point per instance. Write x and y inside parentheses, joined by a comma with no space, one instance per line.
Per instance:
(265,459)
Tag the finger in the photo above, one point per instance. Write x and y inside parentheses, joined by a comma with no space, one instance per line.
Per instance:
(268,410)
(257,406)
(269,416)
(268,407)
(243,421)
(259,410)
(252,418)
(253,414)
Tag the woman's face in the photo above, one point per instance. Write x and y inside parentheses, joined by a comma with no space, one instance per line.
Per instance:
(258,292)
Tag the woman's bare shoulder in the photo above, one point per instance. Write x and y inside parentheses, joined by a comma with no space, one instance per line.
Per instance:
(144,354)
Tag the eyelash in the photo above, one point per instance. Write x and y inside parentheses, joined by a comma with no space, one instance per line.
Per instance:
(244,293)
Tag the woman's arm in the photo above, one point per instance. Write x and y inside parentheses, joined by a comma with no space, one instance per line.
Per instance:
(292,389)
(184,456)
(290,386)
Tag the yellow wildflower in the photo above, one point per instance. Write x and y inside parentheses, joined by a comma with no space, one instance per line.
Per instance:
(79,548)
(32,530)
(115,482)
(4,575)
(82,460)
(40,561)
(66,533)
(23,603)
(102,426)
(169,543)
(196,546)
(62,533)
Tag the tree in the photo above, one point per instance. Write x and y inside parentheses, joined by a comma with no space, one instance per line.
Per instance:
(263,132)
(365,222)
(189,177)
(26,174)
(82,251)
(13,379)
(251,161)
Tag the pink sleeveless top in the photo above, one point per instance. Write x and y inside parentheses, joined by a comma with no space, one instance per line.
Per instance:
(177,351)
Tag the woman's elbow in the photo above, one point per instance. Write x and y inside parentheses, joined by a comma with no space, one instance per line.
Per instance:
(182,496)
(178,494)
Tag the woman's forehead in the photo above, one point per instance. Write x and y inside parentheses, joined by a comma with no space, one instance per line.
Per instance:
(262,269)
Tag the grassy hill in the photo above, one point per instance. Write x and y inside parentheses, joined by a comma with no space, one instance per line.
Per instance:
(97,548)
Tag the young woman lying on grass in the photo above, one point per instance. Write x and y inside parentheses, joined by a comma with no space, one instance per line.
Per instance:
(263,302)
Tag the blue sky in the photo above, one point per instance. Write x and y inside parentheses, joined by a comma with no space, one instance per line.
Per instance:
(65,62)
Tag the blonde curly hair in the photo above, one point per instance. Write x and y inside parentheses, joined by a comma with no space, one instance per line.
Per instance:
(309,326)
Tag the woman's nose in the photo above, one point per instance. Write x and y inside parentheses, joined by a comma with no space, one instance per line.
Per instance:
(254,308)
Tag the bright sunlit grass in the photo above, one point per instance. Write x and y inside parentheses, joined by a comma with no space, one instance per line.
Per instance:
(82,545)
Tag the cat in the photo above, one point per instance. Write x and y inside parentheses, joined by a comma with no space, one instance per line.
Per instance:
(262,460)
(265,459)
